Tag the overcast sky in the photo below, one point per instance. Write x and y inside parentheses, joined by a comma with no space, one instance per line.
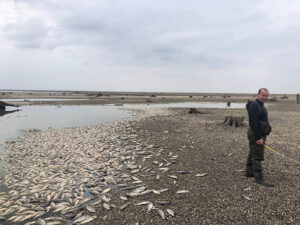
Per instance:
(163,46)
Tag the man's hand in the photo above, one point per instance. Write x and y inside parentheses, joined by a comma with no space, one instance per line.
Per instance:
(260,141)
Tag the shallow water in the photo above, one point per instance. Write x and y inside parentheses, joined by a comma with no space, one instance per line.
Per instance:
(41,99)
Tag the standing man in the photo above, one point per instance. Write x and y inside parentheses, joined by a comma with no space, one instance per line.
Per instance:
(298,98)
(259,129)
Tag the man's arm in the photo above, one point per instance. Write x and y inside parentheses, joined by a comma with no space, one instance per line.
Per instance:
(254,112)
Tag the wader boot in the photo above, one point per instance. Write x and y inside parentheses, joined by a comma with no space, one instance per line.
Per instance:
(249,171)
(258,178)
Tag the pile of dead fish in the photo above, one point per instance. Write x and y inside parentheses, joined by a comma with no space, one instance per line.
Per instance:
(61,176)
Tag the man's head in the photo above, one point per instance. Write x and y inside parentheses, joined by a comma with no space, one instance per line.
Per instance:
(263,94)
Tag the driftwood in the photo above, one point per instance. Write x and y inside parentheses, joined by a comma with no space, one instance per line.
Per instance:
(237,121)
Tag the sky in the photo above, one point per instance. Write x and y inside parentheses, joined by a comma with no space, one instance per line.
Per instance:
(218,46)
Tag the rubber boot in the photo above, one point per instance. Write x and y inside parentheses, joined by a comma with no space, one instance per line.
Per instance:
(249,171)
(258,178)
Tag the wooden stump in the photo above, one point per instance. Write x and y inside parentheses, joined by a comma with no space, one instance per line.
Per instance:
(237,121)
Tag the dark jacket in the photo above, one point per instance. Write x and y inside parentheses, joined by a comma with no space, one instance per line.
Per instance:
(257,112)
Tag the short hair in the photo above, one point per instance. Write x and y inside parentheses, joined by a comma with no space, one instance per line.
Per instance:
(265,89)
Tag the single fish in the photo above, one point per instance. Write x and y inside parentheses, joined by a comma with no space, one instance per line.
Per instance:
(201,174)
(171,212)
(182,191)
(90,209)
(124,206)
(149,206)
(161,213)
(246,197)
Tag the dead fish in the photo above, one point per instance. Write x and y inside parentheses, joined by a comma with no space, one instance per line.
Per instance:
(182,191)
(163,190)
(140,189)
(156,192)
(246,197)
(161,213)
(247,189)
(40,222)
(80,219)
(171,212)
(54,223)
(146,192)
(135,171)
(132,194)
(30,223)
(88,219)
(124,206)
(106,190)
(106,206)
(164,169)
(172,176)
(142,203)
(149,206)
(182,172)
(123,198)
(201,174)
(137,182)
(90,209)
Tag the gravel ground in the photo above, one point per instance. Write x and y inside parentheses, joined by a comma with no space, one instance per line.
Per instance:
(220,194)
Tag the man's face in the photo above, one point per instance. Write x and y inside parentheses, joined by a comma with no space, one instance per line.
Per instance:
(263,96)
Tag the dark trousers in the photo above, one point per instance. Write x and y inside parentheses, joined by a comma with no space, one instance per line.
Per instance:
(256,152)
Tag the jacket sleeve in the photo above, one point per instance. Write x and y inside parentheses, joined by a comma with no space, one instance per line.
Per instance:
(253,119)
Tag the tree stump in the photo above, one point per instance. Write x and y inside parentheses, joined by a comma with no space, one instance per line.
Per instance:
(237,121)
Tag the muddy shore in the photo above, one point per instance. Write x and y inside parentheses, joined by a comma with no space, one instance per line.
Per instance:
(207,159)
(224,195)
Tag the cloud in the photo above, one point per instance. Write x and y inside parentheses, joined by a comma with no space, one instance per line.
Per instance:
(226,40)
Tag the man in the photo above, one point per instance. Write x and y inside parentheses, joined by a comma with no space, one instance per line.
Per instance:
(259,129)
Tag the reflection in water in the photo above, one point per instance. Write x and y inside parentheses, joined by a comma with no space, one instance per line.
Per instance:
(4,112)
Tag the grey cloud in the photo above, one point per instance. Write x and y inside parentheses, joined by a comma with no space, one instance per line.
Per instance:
(29,34)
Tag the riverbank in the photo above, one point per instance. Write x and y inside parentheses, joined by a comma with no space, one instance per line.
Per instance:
(159,160)
(213,157)
(96,98)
